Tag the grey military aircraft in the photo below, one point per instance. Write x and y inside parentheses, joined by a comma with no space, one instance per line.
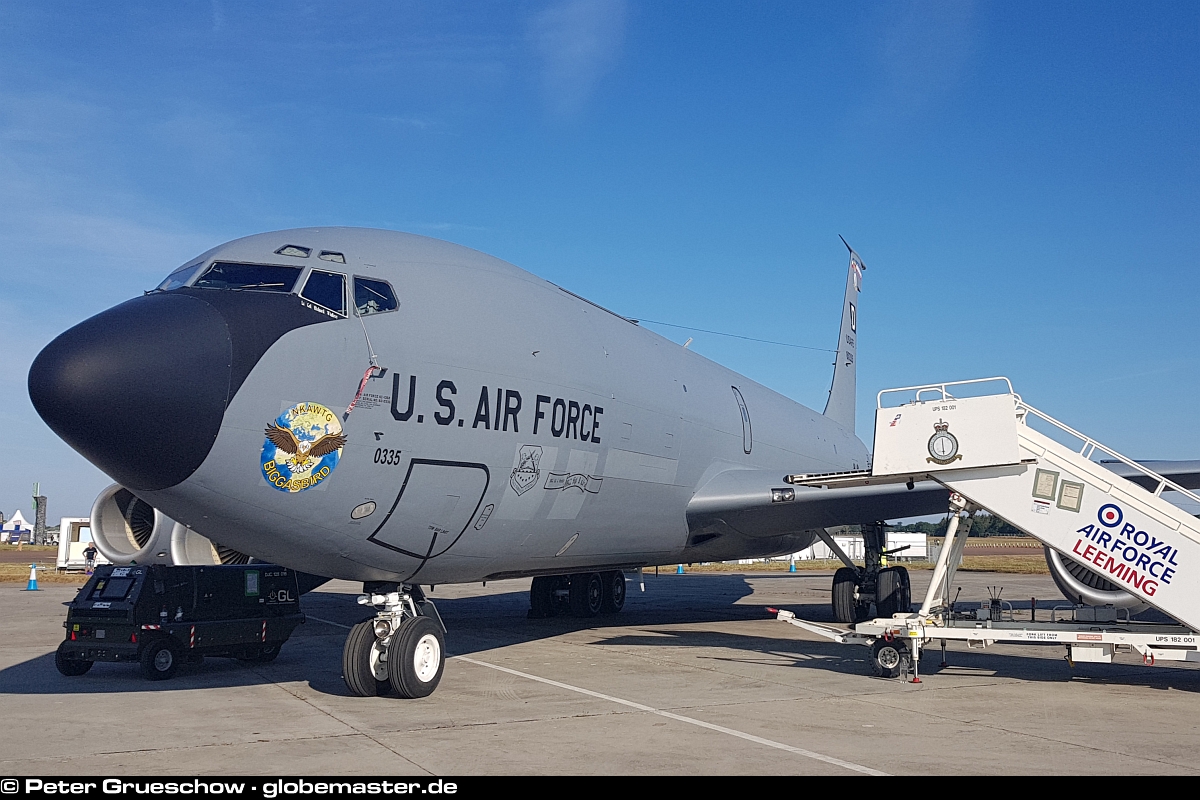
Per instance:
(393,409)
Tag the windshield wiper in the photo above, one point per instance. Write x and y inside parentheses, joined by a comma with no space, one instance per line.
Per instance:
(256,286)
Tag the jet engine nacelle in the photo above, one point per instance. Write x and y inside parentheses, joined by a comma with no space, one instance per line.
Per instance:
(126,528)
(1081,585)
(191,549)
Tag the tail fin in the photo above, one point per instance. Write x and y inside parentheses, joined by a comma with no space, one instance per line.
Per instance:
(840,407)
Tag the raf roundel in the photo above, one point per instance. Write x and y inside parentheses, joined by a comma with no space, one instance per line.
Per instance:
(1110,515)
(302,447)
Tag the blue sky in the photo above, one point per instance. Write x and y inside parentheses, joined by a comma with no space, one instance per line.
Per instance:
(1021,179)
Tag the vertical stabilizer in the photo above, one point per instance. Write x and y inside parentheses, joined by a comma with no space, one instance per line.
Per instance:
(840,407)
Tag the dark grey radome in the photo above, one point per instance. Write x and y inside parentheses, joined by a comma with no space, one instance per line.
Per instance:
(139,390)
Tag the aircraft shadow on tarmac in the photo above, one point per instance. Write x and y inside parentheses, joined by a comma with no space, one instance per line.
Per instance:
(1044,666)
(476,624)
(479,624)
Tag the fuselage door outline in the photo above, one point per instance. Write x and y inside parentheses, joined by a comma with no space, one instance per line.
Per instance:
(433,550)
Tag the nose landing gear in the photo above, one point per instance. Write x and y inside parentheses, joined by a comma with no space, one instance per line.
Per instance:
(401,651)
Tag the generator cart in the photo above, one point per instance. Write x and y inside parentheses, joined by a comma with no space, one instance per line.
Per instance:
(161,616)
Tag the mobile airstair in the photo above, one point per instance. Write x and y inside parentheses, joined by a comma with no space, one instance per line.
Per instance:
(998,453)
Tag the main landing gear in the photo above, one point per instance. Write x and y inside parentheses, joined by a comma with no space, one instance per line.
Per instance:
(584,594)
(401,651)
(856,588)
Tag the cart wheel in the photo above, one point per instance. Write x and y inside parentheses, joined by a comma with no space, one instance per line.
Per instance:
(268,653)
(160,659)
(614,591)
(363,668)
(844,608)
(71,667)
(416,657)
(887,658)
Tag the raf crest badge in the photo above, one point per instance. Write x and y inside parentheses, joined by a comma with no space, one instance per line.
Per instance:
(943,447)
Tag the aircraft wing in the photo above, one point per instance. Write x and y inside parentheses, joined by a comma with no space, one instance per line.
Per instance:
(1184,473)
(743,500)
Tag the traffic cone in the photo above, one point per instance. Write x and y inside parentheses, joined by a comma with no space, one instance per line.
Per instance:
(792,567)
(32,587)
(679,570)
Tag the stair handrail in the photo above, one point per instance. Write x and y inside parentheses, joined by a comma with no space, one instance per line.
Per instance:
(1090,446)
(941,387)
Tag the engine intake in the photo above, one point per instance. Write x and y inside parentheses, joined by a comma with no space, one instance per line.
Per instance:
(1081,585)
(191,549)
(126,528)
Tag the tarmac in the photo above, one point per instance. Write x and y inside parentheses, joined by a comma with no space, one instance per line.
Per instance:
(693,677)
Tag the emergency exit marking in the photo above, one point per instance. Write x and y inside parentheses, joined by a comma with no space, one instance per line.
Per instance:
(1070,495)
(1044,481)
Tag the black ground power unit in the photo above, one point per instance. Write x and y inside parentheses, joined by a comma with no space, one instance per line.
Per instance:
(162,616)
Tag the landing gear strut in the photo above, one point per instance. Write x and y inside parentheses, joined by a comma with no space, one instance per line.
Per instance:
(402,650)
(583,594)
(856,588)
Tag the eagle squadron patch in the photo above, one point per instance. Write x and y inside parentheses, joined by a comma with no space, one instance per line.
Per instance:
(302,447)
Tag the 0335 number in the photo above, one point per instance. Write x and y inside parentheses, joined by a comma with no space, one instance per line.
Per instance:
(385,456)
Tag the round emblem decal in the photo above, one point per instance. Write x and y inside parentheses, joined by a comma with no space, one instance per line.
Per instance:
(302,447)
(943,446)
(1110,515)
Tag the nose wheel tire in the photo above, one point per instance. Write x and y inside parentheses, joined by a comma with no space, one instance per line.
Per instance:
(364,667)
(71,667)
(614,592)
(887,658)
(587,594)
(160,659)
(416,658)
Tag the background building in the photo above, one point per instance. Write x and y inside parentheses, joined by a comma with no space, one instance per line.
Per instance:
(16,529)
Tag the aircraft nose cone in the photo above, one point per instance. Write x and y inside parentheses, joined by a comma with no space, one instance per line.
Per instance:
(139,390)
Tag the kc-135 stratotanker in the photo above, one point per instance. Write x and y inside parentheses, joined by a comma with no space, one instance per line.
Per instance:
(402,411)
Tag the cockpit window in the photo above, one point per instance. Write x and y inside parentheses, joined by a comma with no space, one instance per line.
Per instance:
(259,277)
(327,289)
(373,297)
(179,277)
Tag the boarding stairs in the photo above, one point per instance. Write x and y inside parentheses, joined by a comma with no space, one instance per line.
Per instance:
(996,452)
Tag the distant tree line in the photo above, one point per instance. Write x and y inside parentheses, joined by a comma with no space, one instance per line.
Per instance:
(985,525)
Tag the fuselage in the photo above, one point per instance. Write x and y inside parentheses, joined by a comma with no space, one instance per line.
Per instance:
(510,427)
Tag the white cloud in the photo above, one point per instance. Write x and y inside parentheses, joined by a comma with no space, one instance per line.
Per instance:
(926,49)
(578,42)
